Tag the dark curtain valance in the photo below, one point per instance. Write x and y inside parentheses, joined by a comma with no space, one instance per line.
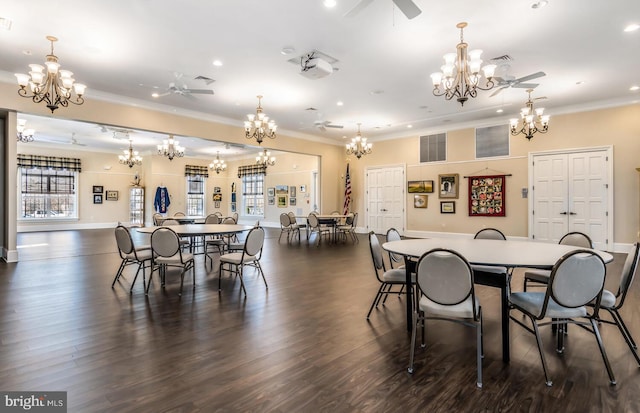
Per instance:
(196,170)
(251,170)
(49,162)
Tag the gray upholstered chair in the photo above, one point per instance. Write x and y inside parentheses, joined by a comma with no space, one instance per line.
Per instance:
(576,239)
(298,226)
(612,303)
(167,253)
(212,244)
(393,277)
(179,214)
(130,254)
(576,280)
(394,235)
(316,228)
(287,227)
(348,229)
(235,217)
(488,270)
(445,280)
(157,217)
(250,255)
(184,243)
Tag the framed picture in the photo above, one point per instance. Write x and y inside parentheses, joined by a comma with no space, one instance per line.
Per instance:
(271,192)
(98,189)
(217,197)
(292,201)
(217,190)
(282,189)
(216,204)
(420,201)
(233,207)
(448,186)
(111,195)
(97,198)
(447,207)
(272,200)
(282,201)
(292,192)
(420,187)
(303,188)
(487,196)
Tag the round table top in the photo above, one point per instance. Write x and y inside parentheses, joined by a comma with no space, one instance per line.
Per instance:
(200,229)
(491,252)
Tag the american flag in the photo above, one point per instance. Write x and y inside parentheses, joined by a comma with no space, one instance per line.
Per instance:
(347,192)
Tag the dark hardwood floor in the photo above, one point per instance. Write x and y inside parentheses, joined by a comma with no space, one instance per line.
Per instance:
(302,345)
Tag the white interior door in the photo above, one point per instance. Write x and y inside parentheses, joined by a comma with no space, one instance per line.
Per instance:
(570,191)
(385,199)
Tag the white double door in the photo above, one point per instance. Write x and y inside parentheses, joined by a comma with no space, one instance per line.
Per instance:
(385,198)
(572,191)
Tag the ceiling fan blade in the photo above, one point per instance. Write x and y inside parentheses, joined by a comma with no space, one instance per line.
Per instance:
(530,77)
(199,91)
(526,85)
(334,126)
(498,91)
(408,7)
(358,8)
(322,128)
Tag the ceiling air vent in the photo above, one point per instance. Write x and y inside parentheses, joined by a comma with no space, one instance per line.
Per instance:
(503,58)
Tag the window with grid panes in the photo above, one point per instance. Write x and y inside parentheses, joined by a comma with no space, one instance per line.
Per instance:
(253,195)
(195,195)
(47,194)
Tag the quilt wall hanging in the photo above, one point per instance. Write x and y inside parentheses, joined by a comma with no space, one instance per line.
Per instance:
(487,196)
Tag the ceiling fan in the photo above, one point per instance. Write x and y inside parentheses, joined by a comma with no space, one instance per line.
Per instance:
(72,141)
(179,87)
(507,82)
(324,124)
(407,7)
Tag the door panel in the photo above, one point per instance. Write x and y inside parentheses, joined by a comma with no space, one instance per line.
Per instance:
(385,199)
(550,197)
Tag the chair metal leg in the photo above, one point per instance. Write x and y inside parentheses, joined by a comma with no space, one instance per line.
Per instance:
(119,272)
(240,271)
(560,336)
(622,326)
(259,267)
(375,300)
(479,350)
(413,342)
(540,350)
(136,277)
(596,332)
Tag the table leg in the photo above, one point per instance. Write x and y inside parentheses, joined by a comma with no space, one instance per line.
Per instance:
(500,281)
(409,265)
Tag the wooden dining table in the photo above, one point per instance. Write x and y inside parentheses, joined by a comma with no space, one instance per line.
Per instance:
(499,253)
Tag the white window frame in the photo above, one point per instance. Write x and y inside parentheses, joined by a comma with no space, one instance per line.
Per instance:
(253,195)
(46,211)
(194,197)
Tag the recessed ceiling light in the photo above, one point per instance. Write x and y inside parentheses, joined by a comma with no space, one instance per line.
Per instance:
(217,63)
(580,82)
(632,27)
(409,126)
(340,103)
(287,50)
(499,110)
(155,95)
(634,88)
(329,3)
(539,4)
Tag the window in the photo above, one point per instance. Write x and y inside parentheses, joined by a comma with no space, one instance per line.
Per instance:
(433,148)
(196,195)
(47,193)
(492,141)
(252,194)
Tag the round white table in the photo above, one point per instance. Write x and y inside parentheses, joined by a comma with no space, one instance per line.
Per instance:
(499,253)
(198,230)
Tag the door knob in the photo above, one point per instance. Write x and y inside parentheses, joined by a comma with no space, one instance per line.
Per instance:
(563,213)
(572,213)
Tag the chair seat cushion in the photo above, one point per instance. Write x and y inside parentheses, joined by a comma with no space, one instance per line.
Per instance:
(397,275)
(143,255)
(541,276)
(236,258)
(608,299)
(174,259)
(143,247)
(489,268)
(462,310)
(532,302)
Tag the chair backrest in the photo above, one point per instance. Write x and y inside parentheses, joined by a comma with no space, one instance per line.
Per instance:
(179,214)
(394,235)
(169,222)
(229,221)
(124,241)
(235,217)
(254,241)
(628,273)
(156,218)
(577,279)
(349,219)
(335,213)
(490,233)
(165,242)
(376,253)
(212,219)
(355,219)
(285,221)
(445,277)
(218,213)
(576,239)
(313,220)
(292,218)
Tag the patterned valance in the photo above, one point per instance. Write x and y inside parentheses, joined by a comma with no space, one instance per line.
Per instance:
(49,162)
(251,170)
(196,170)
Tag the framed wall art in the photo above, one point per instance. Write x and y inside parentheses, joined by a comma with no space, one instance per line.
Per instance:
(447,207)
(282,189)
(420,187)
(420,201)
(97,198)
(292,191)
(448,185)
(282,201)
(111,195)
(271,192)
(98,189)
(487,196)
(292,201)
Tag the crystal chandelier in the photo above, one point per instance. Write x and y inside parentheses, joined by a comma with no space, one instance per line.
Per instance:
(171,148)
(218,164)
(259,126)
(54,86)
(359,145)
(460,76)
(265,159)
(531,121)
(24,135)
(130,156)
